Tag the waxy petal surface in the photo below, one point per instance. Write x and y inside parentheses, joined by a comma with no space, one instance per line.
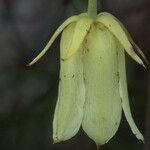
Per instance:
(69,109)
(102,109)
(124,94)
(81,30)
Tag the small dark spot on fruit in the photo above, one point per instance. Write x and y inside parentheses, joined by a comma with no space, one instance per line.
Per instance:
(64,75)
(116,123)
(73,76)
(63,59)
(109,25)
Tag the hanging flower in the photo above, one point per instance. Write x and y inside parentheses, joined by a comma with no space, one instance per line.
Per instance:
(93,86)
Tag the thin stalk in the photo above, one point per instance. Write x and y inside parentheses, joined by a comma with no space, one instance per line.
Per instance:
(92,8)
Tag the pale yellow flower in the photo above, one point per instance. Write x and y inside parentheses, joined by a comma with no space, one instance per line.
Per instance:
(93,86)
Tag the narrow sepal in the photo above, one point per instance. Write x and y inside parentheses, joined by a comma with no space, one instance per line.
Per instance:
(124,94)
(81,30)
(136,47)
(113,26)
(58,31)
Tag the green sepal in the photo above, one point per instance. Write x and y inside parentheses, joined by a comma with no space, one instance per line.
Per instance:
(57,32)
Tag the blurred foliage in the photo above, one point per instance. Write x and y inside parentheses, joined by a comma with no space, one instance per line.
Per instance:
(28,94)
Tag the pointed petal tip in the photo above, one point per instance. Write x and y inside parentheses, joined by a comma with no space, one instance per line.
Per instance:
(145,59)
(56,140)
(142,64)
(141,138)
(138,49)
(30,64)
(98,145)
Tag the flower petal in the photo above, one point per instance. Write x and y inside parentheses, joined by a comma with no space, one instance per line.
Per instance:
(124,94)
(69,109)
(58,31)
(102,108)
(110,22)
(81,30)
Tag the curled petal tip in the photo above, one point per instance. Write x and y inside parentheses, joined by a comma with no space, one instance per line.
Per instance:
(53,38)
(143,140)
(31,63)
(143,56)
(56,140)
(139,51)
(140,138)
(144,66)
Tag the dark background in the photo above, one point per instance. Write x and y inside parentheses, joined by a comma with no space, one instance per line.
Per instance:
(28,94)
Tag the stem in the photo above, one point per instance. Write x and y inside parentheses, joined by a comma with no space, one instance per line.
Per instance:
(92,8)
